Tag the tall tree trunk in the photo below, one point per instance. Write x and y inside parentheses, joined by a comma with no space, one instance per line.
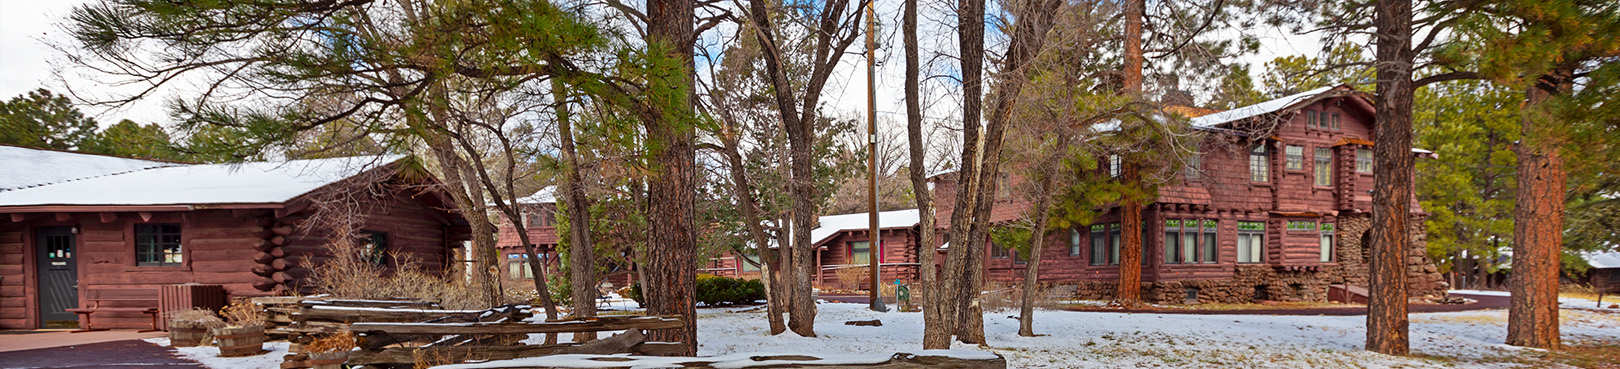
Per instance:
(671,268)
(742,186)
(1037,239)
(1129,290)
(960,264)
(934,337)
(582,253)
(1392,188)
(1538,221)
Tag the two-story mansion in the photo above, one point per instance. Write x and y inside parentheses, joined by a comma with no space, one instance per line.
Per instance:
(1275,207)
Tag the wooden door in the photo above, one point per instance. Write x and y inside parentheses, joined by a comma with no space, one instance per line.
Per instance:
(58,277)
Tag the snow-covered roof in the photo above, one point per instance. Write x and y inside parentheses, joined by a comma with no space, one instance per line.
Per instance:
(1609,259)
(246,183)
(546,195)
(833,224)
(24,167)
(1251,111)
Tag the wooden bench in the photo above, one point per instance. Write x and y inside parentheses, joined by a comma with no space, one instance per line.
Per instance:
(121,300)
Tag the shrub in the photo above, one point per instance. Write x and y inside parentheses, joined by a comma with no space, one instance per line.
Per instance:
(242,313)
(350,273)
(716,290)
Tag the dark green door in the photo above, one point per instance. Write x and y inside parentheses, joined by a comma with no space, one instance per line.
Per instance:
(58,277)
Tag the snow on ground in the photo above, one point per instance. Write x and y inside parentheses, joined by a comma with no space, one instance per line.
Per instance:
(1563,302)
(1090,339)
(209,355)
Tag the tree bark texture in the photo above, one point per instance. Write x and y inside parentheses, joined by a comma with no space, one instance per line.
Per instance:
(1129,289)
(1037,239)
(582,253)
(933,337)
(671,265)
(1392,190)
(1538,222)
(742,186)
(960,263)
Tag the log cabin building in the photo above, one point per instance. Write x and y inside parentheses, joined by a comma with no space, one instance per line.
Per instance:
(841,244)
(1275,206)
(73,223)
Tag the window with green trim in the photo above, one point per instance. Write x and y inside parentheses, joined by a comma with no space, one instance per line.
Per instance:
(375,247)
(1251,242)
(1301,225)
(1327,243)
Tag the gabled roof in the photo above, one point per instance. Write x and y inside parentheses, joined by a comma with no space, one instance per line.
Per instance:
(833,224)
(176,184)
(546,195)
(22,167)
(1255,110)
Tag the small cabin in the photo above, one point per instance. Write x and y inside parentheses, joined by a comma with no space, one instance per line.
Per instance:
(73,224)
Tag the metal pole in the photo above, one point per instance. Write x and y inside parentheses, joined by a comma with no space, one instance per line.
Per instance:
(874,238)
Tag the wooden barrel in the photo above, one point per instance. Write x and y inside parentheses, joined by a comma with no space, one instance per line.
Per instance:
(187,334)
(327,360)
(240,341)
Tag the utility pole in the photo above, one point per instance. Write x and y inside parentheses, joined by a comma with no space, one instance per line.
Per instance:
(874,241)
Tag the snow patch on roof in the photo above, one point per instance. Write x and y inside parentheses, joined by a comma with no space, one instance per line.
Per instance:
(1602,260)
(546,195)
(24,167)
(1251,111)
(833,224)
(246,183)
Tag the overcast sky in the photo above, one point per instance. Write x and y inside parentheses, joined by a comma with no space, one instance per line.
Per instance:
(26,61)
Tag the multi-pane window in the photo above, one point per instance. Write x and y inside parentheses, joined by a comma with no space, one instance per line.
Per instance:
(1301,225)
(861,252)
(1114,165)
(1251,242)
(1195,166)
(375,246)
(998,252)
(1335,124)
(1099,244)
(1327,242)
(517,267)
(1364,161)
(1259,164)
(540,217)
(1295,157)
(1323,121)
(1113,239)
(1310,119)
(1189,241)
(750,267)
(1324,167)
(1172,238)
(158,244)
(1208,254)
(1074,242)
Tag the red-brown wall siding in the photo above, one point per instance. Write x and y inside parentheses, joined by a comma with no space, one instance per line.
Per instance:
(218,248)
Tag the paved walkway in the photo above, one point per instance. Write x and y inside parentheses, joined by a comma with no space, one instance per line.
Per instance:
(116,354)
(17,340)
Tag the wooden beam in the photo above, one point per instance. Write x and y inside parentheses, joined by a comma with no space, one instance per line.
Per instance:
(146,216)
(18,217)
(407,355)
(63,217)
(108,217)
(520,328)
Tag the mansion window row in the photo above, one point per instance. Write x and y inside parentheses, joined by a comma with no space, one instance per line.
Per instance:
(1294,158)
(1185,242)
